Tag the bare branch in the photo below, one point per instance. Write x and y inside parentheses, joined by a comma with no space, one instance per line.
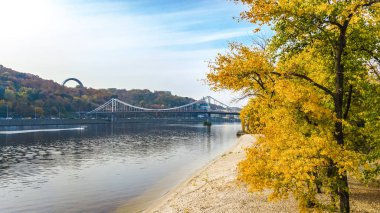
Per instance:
(260,41)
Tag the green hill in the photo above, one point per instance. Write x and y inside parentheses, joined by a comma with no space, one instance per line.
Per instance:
(26,94)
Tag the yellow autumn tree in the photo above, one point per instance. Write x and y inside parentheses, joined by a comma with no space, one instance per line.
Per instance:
(314,96)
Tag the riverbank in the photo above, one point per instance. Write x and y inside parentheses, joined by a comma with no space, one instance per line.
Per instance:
(214,189)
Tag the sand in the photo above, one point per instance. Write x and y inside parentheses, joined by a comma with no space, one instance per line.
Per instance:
(214,189)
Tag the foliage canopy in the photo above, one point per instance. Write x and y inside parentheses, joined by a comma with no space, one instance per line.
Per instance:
(314,97)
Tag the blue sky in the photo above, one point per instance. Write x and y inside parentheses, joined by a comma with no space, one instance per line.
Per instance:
(145,44)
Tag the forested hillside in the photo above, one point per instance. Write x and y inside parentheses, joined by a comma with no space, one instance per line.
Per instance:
(26,95)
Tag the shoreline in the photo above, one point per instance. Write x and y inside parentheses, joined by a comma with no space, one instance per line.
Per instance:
(213,188)
(168,195)
(135,205)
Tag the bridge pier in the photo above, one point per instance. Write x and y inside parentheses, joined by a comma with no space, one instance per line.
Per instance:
(208,120)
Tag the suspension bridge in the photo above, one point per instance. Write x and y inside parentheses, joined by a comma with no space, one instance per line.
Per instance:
(206,106)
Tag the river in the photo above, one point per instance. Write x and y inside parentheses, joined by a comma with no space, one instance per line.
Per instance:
(97,168)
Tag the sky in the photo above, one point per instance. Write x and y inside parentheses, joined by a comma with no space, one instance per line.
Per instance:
(126,44)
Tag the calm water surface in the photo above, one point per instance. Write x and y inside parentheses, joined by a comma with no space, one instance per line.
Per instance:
(96,168)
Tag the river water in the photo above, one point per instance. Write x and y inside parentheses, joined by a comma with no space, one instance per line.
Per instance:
(97,168)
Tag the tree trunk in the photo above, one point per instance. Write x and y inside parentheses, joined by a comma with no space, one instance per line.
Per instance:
(344,200)
(342,191)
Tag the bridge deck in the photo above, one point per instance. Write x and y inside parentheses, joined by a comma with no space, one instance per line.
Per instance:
(206,105)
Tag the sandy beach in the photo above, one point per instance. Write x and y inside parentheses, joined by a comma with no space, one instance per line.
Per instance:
(214,188)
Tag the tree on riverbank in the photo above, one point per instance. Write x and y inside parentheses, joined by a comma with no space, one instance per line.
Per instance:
(315,96)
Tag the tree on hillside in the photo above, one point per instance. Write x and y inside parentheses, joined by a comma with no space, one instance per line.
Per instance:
(315,97)
(21,92)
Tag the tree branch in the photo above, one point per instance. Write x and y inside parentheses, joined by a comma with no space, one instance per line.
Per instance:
(335,23)
(371,3)
(325,89)
(373,55)
(376,73)
(344,25)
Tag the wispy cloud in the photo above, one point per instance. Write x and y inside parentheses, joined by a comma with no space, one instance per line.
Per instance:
(157,44)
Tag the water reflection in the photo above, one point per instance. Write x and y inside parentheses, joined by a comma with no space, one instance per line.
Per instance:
(10,132)
(96,168)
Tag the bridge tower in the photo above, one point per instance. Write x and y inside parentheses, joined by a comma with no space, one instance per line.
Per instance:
(208,117)
(113,109)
